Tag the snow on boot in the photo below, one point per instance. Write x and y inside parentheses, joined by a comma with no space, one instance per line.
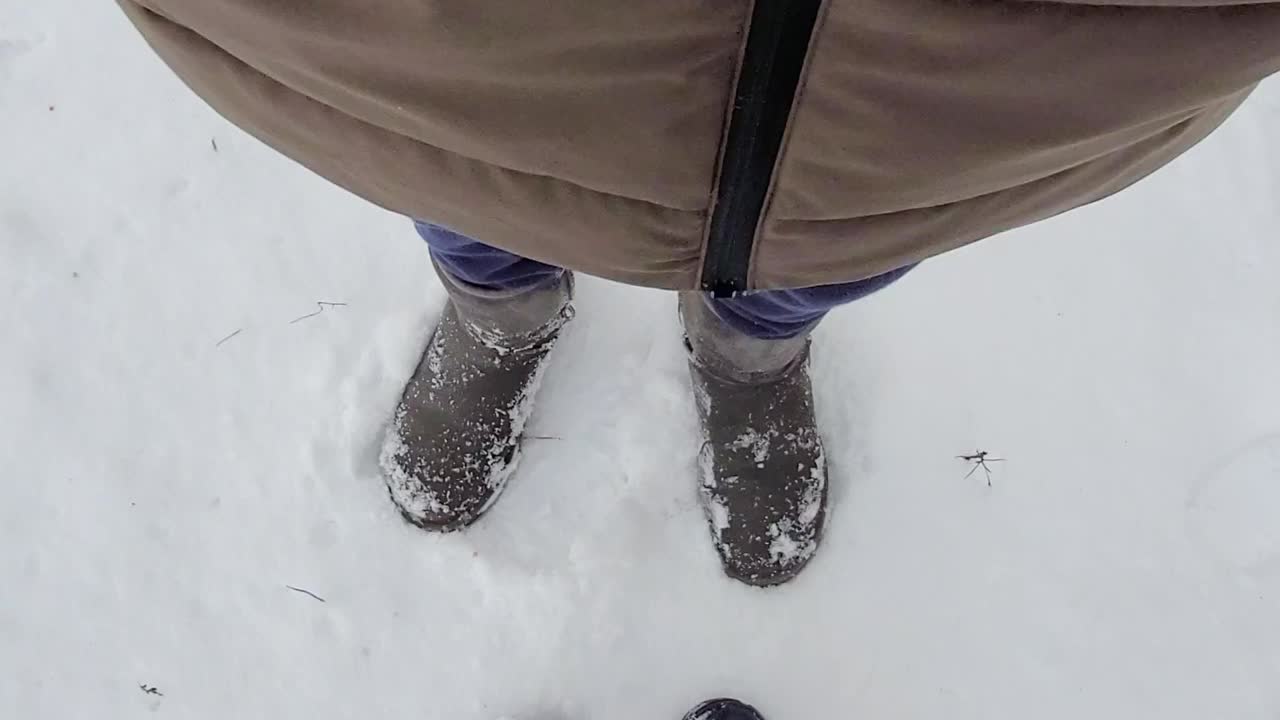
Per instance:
(764,476)
(723,709)
(456,435)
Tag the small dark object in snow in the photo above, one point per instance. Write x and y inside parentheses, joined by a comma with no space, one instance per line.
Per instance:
(75,274)
(305,592)
(150,689)
(320,306)
(214,143)
(724,709)
(219,343)
(979,459)
(51,108)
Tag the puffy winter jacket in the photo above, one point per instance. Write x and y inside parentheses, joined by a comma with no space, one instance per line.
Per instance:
(726,144)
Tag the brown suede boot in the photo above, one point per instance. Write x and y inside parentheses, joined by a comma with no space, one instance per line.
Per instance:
(764,476)
(456,435)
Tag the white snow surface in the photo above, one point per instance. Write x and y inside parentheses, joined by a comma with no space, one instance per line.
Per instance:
(160,490)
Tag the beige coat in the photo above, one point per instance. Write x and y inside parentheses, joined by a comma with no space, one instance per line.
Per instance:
(596,134)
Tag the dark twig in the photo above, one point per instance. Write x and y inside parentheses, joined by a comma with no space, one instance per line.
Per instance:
(150,689)
(320,306)
(979,460)
(237,332)
(305,592)
(214,143)
(542,437)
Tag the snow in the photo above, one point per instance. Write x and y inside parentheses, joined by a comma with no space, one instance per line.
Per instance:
(759,442)
(784,549)
(813,493)
(718,514)
(161,490)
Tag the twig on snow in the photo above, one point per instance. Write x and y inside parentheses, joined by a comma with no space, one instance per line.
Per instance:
(237,332)
(305,592)
(150,689)
(979,459)
(320,306)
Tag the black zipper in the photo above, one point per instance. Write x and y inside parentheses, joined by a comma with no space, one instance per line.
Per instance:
(777,44)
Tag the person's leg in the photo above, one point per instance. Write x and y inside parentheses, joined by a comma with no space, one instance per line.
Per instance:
(484,266)
(775,314)
(764,472)
(456,435)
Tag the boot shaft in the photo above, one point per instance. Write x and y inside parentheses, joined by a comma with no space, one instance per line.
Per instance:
(725,353)
(511,320)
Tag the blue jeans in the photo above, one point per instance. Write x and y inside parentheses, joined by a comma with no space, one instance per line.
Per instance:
(766,314)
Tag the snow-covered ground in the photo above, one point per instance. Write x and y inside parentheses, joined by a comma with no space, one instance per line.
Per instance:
(176,452)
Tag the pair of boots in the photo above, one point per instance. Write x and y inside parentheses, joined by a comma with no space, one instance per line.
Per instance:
(455,439)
